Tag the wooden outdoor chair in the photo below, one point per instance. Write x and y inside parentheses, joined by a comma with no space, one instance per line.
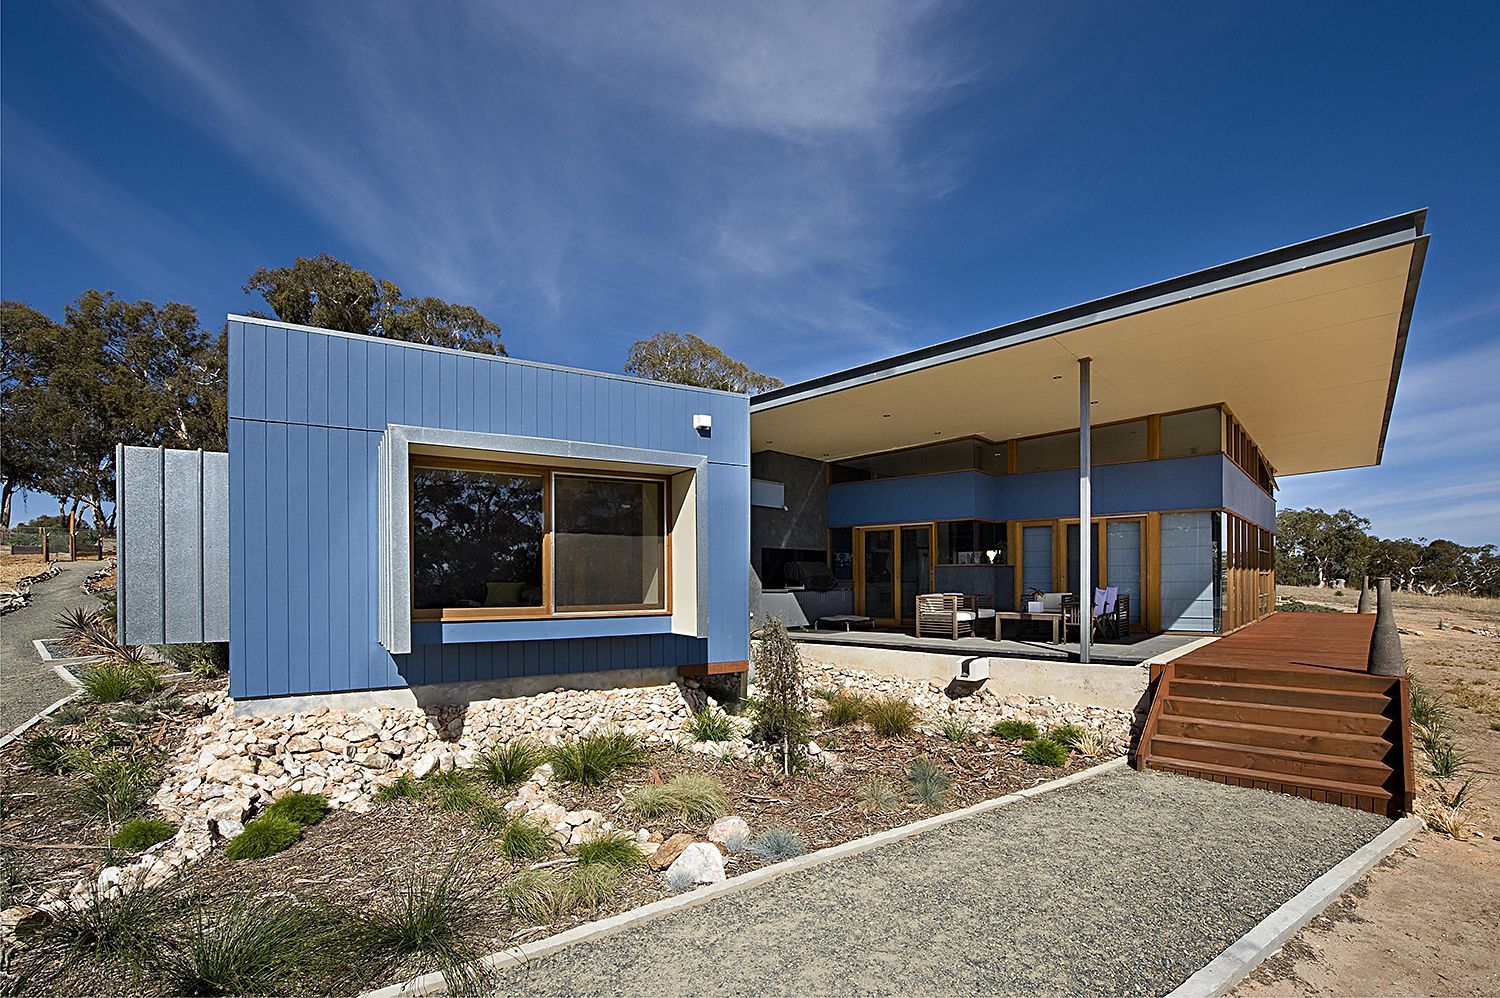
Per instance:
(943,614)
(983,605)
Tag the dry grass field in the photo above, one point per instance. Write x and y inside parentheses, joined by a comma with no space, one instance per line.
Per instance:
(1427,920)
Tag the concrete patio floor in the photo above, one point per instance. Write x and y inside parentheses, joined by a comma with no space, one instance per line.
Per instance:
(1132,650)
(1126,883)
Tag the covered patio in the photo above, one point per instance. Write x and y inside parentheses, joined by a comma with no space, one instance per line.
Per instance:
(1134,649)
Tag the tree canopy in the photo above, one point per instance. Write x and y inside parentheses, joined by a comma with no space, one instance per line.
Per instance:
(685,359)
(1315,547)
(328,292)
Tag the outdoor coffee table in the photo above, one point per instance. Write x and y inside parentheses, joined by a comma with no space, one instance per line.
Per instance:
(1055,619)
(849,620)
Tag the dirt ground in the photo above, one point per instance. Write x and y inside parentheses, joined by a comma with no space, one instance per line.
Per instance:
(1427,920)
(17,566)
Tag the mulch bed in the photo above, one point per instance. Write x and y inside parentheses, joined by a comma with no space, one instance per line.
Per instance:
(360,860)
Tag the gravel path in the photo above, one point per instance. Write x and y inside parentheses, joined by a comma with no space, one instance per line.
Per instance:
(1124,884)
(27,684)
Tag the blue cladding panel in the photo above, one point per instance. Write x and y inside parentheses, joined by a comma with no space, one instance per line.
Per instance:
(897,500)
(1243,496)
(307,410)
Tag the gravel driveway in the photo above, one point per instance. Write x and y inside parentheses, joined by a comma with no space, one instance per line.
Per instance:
(1124,884)
(27,684)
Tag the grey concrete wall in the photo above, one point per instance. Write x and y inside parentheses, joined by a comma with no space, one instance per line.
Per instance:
(173,547)
(804,521)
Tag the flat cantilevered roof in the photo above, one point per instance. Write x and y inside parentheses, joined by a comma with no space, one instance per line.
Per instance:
(1303,343)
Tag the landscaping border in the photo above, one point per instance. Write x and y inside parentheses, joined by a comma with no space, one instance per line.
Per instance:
(1242,956)
(25,726)
(434,983)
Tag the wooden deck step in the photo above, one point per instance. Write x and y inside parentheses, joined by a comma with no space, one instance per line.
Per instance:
(1272,762)
(1251,777)
(1296,739)
(1310,718)
(1287,675)
(1284,696)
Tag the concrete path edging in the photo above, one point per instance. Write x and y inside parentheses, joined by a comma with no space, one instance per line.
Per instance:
(434,983)
(34,720)
(1242,956)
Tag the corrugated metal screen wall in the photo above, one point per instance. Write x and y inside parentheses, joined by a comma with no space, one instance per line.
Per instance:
(172,517)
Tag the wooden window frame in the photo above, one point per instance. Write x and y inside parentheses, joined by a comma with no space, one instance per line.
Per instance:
(548,610)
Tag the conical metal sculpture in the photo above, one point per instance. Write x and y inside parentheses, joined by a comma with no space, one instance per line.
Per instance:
(1386,658)
(1366,600)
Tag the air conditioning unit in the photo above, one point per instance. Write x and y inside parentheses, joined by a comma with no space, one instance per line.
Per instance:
(972,670)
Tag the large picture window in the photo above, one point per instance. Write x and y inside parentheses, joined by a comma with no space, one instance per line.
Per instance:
(492,542)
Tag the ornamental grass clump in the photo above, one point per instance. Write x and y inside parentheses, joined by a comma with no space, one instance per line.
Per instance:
(429,922)
(707,726)
(694,797)
(957,730)
(929,784)
(299,808)
(46,751)
(613,848)
(141,833)
(891,717)
(265,836)
(524,839)
(1044,752)
(538,897)
(249,946)
(130,927)
(114,681)
(403,787)
(776,844)
(453,792)
(876,794)
(844,708)
(111,784)
(513,763)
(782,719)
(1013,730)
(593,759)
(592,884)
(1066,735)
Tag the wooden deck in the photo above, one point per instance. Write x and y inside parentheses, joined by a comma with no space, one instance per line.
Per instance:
(1322,640)
(1286,704)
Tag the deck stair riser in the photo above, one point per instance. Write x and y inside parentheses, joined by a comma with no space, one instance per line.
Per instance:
(1371,747)
(1240,711)
(1255,710)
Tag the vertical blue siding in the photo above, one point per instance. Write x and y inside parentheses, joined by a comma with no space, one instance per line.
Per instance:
(307,411)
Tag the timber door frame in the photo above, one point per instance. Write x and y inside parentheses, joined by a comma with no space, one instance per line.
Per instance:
(859,565)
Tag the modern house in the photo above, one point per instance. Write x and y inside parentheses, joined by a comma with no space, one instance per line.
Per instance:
(417,523)
(957,467)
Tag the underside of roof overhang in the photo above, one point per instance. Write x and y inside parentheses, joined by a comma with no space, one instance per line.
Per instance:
(1304,345)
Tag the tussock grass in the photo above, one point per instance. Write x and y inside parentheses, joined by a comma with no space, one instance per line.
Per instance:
(1449,811)
(142,833)
(957,730)
(1066,735)
(614,848)
(707,726)
(538,897)
(114,681)
(403,787)
(776,844)
(249,946)
(928,783)
(594,759)
(265,836)
(453,792)
(111,784)
(524,839)
(46,751)
(843,708)
(693,797)
(1090,743)
(592,884)
(511,764)
(131,927)
(1013,730)
(877,795)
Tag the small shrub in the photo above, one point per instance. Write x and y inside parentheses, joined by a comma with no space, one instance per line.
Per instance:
(203,660)
(680,879)
(300,808)
(429,922)
(511,764)
(1066,735)
(610,849)
(737,841)
(877,795)
(110,784)
(957,730)
(69,714)
(891,717)
(776,844)
(1013,730)
(111,682)
(130,927)
(524,839)
(1044,752)
(537,897)
(250,946)
(46,751)
(265,836)
(592,884)
(593,759)
(692,796)
(403,787)
(782,719)
(142,833)
(929,784)
(706,726)
(1090,743)
(844,708)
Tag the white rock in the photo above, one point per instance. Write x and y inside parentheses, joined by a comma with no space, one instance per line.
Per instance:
(424,765)
(727,828)
(702,861)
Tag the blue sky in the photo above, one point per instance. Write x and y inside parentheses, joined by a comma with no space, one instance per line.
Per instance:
(807,185)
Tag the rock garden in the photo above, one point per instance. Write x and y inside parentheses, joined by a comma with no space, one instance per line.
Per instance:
(155,841)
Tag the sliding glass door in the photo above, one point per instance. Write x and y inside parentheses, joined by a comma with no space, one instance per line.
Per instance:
(892,566)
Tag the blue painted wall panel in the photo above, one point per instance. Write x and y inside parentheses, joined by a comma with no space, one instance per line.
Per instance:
(956,496)
(307,410)
(1243,496)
